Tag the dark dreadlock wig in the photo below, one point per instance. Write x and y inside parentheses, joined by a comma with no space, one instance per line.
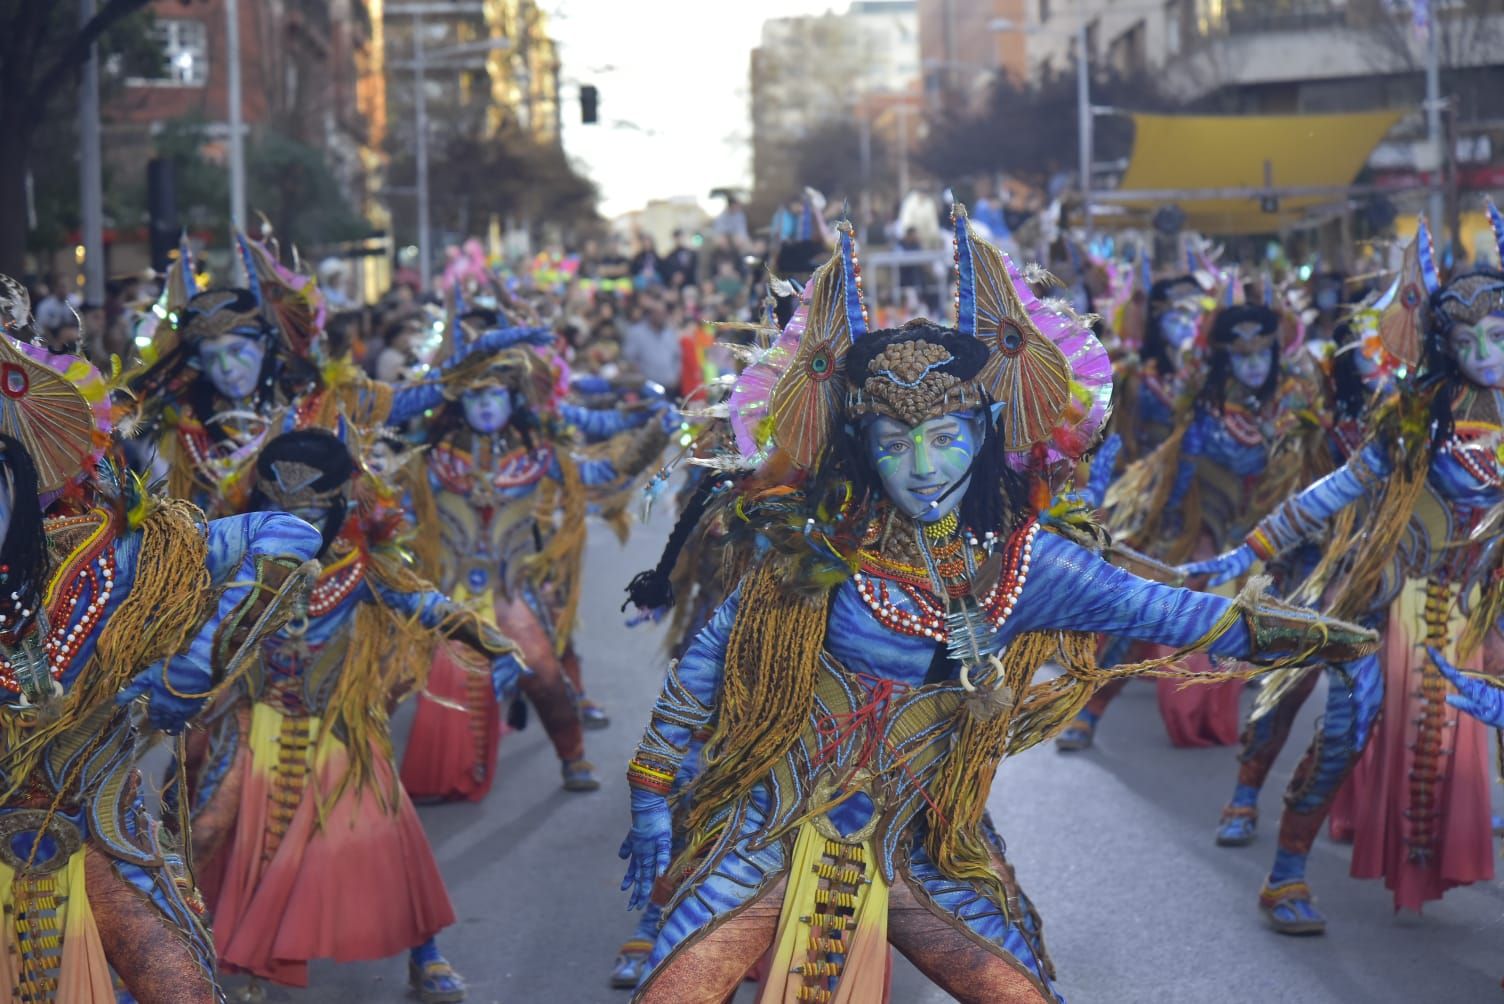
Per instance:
(23,554)
(1162,296)
(1464,300)
(1225,336)
(1349,393)
(308,467)
(984,507)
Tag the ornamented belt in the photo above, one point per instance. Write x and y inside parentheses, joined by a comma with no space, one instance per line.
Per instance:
(34,841)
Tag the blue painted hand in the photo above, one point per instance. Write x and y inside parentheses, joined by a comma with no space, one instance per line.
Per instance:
(648,846)
(1224,567)
(1483,700)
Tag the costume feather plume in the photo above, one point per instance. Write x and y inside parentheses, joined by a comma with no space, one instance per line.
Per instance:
(1400,325)
(807,397)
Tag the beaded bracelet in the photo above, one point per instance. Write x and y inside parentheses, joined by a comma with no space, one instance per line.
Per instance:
(654,779)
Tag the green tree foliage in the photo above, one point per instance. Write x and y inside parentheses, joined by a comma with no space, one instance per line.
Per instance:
(1029,130)
(42,48)
(510,176)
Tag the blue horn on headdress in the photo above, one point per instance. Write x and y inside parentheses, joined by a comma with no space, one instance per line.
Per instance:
(1427,256)
(966,276)
(1496,220)
(185,264)
(248,259)
(856,311)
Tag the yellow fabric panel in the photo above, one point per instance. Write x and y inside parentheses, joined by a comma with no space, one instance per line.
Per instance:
(85,974)
(867,939)
(1220,151)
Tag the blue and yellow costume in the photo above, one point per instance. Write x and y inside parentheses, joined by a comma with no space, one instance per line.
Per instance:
(864,681)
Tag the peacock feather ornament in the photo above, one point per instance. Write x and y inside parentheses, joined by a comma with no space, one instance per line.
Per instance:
(807,398)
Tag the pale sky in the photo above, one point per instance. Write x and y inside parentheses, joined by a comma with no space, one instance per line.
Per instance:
(678,71)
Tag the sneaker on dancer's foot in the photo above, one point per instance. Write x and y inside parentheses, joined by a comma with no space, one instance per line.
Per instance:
(592,715)
(579,775)
(631,964)
(431,977)
(1078,735)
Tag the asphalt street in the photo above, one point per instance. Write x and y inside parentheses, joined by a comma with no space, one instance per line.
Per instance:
(1114,845)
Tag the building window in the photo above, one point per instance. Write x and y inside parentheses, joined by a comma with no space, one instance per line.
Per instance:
(185,54)
(1172,27)
(1044,11)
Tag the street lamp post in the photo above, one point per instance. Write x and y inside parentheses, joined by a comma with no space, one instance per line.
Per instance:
(419,65)
(90,175)
(1433,117)
(237,126)
(1083,123)
(420,114)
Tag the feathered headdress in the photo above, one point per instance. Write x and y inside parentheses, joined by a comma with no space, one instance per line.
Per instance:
(57,406)
(290,302)
(1038,363)
(1047,371)
(807,398)
(1400,327)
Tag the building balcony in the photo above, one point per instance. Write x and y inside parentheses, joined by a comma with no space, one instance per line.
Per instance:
(1250,43)
(1222,18)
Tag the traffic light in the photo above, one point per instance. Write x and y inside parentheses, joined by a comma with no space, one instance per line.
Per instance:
(589,99)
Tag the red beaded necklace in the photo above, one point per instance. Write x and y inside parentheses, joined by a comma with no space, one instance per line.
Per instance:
(929,620)
(89,571)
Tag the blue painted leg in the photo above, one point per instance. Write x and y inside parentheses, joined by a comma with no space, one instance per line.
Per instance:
(1355,692)
(1286,899)
(431,977)
(1078,735)
(1240,818)
(632,958)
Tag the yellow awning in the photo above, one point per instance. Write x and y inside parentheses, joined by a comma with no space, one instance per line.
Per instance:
(1203,156)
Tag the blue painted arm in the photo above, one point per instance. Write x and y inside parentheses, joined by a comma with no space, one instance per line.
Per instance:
(1300,517)
(689,691)
(593,470)
(239,548)
(1479,698)
(586,383)
(1102,465)
(684,708)
(429,606)
(503,338)
(413,399)
(602,423)
(1070,588)
(434,609)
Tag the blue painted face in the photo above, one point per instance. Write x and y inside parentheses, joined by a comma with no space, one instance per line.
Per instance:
(1251,369)
(488,410)
(1479,349)
(919,464)
(1178,325)
(232,363)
